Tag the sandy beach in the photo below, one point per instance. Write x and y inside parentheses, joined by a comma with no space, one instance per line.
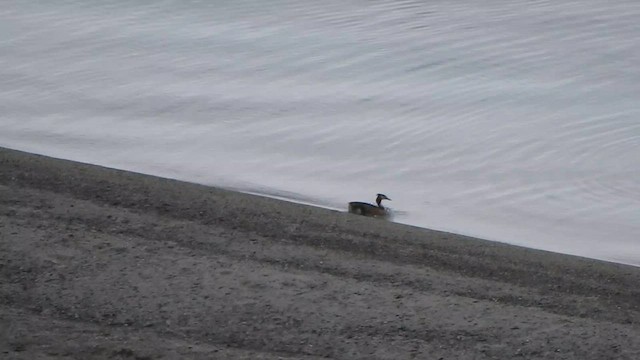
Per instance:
(97,263)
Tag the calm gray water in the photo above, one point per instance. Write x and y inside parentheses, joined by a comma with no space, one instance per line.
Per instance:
(516,121)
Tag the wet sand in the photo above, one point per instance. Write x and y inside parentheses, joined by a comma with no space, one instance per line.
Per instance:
(97,263)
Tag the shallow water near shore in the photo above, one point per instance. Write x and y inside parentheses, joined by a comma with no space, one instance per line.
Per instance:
(511,121)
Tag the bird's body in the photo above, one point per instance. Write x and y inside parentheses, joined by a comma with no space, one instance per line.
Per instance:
(366,209)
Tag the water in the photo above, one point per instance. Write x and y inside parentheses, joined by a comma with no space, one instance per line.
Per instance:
(516,121)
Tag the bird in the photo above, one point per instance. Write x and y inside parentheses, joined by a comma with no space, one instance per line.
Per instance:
(366,209)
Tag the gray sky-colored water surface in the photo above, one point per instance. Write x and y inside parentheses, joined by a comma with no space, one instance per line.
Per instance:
(516,121)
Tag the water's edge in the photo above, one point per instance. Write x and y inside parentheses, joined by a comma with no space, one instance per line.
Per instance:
(300,201)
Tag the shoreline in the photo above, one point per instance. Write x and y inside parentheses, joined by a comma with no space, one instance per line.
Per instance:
(199,272)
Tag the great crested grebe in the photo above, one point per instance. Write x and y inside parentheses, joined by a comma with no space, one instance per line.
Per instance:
(366,209)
